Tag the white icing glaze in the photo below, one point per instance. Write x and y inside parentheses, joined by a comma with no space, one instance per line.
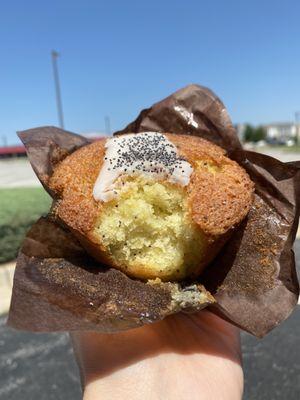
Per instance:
(148,153)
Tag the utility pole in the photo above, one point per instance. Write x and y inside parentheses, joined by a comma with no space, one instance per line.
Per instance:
(107,125)
(54,56)
(297,122)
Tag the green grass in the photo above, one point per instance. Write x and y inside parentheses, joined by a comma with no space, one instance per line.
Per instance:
(292,149)
(19,209)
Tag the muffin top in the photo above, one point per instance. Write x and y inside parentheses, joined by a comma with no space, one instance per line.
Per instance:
(220,192)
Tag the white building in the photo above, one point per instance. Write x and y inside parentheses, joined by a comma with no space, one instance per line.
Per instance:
(282,131)
(277,132)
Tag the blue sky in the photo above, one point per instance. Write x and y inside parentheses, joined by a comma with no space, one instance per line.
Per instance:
(120,56)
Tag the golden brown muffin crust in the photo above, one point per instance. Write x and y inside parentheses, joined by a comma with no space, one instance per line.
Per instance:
(220,191)
(73,181)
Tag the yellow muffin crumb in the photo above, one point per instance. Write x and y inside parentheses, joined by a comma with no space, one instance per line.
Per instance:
(148,230)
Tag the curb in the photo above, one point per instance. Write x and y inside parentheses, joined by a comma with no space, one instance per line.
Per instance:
(6,282)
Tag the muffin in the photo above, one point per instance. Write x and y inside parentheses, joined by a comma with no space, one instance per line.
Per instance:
(151,205)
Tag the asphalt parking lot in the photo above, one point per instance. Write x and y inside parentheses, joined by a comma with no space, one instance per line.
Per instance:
(42,367)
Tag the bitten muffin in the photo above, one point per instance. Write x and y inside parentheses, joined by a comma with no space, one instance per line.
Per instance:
(152,205)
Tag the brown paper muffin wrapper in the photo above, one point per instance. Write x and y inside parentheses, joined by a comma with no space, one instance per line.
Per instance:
(253,280)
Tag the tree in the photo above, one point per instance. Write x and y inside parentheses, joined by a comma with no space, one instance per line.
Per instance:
(252,134)
(248,133)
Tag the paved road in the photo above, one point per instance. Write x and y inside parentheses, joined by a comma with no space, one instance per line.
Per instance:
(41,366)
(17,172)
(282,155)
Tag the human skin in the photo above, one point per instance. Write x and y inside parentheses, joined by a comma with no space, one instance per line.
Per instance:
(185,356)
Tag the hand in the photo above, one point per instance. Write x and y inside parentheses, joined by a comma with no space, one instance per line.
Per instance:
(185,356)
